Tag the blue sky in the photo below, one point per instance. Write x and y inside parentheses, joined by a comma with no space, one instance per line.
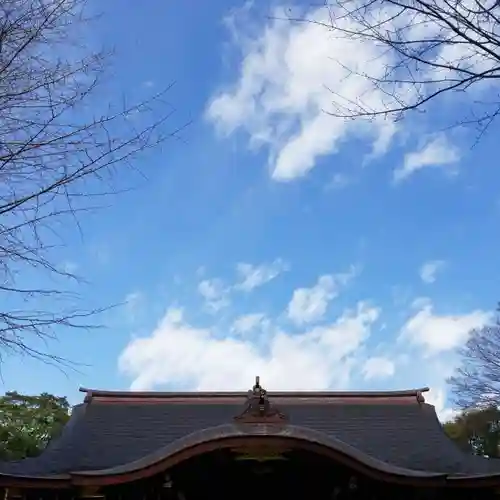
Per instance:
(275,240)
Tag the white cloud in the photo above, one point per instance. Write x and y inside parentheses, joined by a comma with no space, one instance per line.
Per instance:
(436,152)
(249,322)
(184,355)
(437,398)
(429,270)
(325,356)
(215,294)
(288,75)
(438,333)
(294,77)
(253,276)
(310,304)
(378,367)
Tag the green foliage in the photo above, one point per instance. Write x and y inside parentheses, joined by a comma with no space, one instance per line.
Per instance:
(477,431)
(28,423)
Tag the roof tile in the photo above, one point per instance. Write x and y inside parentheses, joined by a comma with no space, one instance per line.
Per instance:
(102,434)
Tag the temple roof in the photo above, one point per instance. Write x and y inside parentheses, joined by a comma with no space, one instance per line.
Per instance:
(113,432)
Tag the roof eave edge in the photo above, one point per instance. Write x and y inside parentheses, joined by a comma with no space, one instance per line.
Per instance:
(56,481)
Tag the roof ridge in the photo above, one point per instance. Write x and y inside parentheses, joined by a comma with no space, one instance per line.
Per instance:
(96,393)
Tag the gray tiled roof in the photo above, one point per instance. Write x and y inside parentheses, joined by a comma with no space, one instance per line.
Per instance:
(102,435)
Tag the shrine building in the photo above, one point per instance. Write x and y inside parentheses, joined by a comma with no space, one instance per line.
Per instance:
(232,445)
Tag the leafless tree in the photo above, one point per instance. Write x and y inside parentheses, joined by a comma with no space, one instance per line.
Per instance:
(476,382)
(62,145)
(421,50)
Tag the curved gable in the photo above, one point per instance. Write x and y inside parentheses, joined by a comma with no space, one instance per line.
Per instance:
(234,435)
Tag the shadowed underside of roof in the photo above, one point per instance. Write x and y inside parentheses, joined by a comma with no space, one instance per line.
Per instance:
(117,432)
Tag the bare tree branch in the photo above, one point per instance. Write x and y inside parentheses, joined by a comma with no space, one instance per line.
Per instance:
(476,382)
(425,50)
(60,146)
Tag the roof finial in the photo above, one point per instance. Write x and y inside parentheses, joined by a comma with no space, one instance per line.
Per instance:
(258,407)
